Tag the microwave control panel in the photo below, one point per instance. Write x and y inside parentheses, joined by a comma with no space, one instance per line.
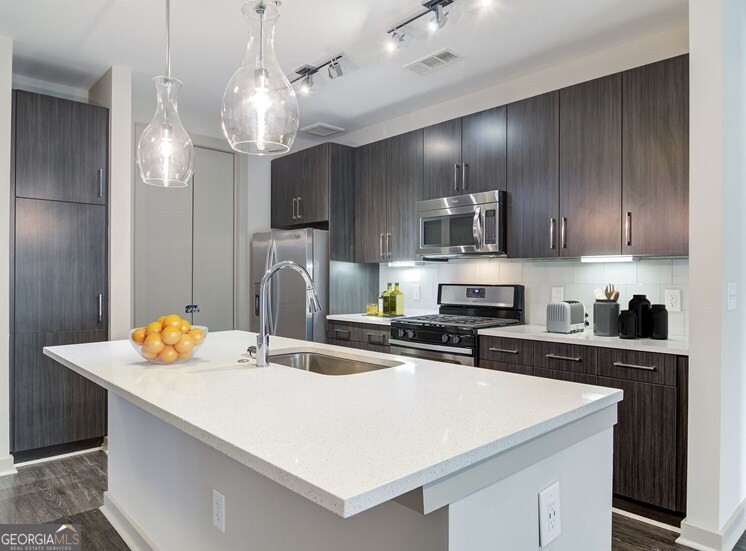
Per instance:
(490,227)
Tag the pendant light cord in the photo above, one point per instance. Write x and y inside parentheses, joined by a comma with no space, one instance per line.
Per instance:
(168,38)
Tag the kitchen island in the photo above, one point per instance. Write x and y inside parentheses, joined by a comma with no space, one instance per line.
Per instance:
(420,456)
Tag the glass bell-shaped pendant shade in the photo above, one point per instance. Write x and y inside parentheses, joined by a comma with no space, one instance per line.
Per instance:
(165,153)
(260,108)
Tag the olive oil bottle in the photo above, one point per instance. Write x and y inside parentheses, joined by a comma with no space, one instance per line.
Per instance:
(386,296)
(397,301)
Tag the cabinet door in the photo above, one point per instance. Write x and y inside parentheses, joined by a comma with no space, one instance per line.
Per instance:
(442,160)
(484,151)
(61,149)
(51,403)
(60,266)
(212,247)
(655,201)
(533,177)
(645,442)
(285,174)
(403,179)
(565,376)
(313,193)
(591,168)
(370,202)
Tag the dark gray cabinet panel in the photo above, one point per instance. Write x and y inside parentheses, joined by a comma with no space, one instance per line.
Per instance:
(566,357)
(61,149)
(370,202)
(682,434)
(313,186)
(341,203)
(284,200)
(442,160)
(655,200)
(645,442)
(60,266)
(52,404)
(504,350)
(566,376)
(484,151)
(591,168)
(404,158)
(507,367)
(533,177)
(632,365)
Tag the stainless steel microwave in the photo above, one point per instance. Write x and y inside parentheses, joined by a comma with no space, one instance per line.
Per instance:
(465,225)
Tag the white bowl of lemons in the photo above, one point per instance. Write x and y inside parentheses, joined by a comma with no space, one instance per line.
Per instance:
(167,340)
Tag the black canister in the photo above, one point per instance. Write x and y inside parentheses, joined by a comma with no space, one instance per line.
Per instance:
(627,325)
(640,305)
(660,321)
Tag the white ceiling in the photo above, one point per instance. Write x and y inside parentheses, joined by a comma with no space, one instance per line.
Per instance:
(74,42)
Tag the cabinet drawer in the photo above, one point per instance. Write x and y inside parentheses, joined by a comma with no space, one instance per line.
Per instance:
(504,350)
(566,357)
(344,331)
(345,343)
(645,367)
(375,337)
(566,376)
(504,366)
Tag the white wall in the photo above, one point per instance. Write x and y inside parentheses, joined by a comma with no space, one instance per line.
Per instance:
(6,78)
(717,241)
(114,90)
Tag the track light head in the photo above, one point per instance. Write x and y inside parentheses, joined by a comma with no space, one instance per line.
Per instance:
(395,41)
(438,20)
(335,70)
(306,85)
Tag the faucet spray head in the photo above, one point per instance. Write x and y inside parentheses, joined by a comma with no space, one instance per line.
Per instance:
(313,300)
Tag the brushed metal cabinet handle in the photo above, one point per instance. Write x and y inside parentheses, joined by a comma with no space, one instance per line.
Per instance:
(503,350)
(380,245)
(552,224)
(388,245)
(376,339)
(455,176)
(340,332)
(295,207)
(634,366)
(300,210)
(563,358)
(628,229)
(100,316)
(463,176)
(563,232)
(100,176)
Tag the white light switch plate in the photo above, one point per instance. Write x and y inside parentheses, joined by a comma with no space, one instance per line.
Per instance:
(415,292)
(558,294)
(218,510)
(673,300)
(550,526)
(732,297)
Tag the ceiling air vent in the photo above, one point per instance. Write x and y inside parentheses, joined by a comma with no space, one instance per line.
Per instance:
(321,129)
(433,61)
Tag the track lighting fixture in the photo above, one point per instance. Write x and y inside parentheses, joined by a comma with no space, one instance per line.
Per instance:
(438,20)
(335,70)
(305,74)
(306,85)
(395,41)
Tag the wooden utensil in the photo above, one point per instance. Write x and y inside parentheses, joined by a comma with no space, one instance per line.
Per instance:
(599,294)
(609,291)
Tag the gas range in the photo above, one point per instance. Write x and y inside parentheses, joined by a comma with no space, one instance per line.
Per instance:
(452,334)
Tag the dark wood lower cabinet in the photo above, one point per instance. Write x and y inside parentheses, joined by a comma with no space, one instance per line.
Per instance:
(566,376)
(51,403)
(507,367)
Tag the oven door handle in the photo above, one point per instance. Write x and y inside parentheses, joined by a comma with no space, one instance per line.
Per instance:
(432,347)
(477,227)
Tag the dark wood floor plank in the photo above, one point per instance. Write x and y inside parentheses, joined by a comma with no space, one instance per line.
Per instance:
(97,533)
(631,535)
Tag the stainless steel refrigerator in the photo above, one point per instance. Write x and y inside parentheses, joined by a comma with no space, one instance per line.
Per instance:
(288,314)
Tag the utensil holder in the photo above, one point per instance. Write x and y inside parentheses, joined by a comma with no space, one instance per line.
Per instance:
(606,318)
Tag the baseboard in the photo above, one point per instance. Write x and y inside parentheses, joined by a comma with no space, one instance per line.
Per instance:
(704,539)
(127,528)
(6,466)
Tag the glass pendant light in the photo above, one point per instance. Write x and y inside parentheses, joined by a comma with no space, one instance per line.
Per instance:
(165,153)
(260,108)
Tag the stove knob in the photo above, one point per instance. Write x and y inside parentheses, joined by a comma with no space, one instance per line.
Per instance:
(455,339)
(400,333)
(445,338)
(410,334)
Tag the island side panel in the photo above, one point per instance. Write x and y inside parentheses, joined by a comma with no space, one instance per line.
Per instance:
(162,480)
(505,515)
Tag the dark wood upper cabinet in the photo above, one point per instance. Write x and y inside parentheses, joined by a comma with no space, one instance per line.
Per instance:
(591,168)
(284,201)
(313,185)
(404,157)
(370,202)
(483,144)
(533,177)
(655,198)
(60,266)
(442,160)
(61,149)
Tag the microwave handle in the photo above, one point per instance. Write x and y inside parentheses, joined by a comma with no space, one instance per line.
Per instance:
(477,227)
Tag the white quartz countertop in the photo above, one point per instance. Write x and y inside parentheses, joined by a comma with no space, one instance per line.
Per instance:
(347,443)
(674,345)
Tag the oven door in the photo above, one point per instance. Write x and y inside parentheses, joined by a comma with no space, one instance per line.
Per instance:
(404,349)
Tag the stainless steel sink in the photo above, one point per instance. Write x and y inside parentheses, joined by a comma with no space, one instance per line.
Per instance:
(325,364)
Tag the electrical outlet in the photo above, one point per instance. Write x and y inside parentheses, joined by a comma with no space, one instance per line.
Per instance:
(558,294)
(549,514)
(218,510)
(415,292)
(673,300)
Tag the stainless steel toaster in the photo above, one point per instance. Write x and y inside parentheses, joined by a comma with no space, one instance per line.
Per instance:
(568,316)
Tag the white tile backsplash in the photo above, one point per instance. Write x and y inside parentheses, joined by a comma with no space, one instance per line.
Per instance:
(648,277)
